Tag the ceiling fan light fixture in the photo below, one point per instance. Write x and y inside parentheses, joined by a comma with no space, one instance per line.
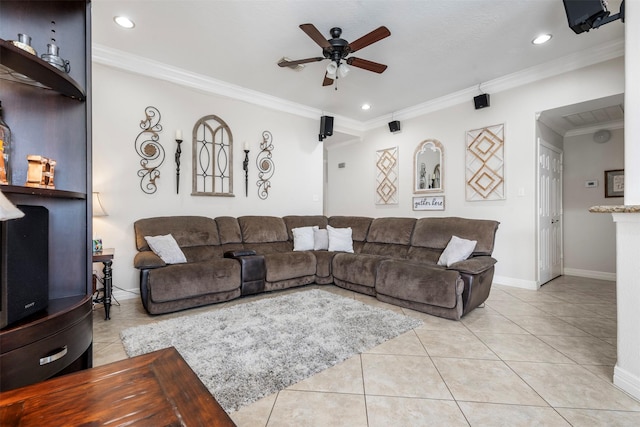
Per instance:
(343,70)
(332,68)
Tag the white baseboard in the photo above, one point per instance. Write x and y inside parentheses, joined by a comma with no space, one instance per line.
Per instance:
(600,275)
(120,294)
(626,381)
(516,283)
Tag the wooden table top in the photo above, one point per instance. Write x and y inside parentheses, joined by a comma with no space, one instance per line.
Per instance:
(155,389)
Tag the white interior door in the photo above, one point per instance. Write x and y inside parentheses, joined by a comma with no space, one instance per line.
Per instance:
(549,212)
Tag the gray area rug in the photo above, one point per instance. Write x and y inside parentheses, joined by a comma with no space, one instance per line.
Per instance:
(247,351)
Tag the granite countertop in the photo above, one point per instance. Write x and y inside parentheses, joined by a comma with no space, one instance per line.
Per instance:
(615,209)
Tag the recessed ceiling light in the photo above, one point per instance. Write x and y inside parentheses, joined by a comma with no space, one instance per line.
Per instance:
(124,22)
(542,38)
(365,106)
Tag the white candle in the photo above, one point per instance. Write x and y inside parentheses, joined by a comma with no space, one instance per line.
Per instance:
(179,134)
(246,146)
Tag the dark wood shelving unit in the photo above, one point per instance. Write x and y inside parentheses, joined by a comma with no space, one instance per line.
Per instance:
(43,192)
(49,113)
(37,71)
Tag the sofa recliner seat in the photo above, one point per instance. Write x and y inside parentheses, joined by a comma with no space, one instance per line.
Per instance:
(393,259)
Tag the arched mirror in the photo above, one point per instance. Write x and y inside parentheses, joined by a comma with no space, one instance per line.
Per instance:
(428,162)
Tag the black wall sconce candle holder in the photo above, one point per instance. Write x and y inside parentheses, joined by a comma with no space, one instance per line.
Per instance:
(245,166)
(178,153)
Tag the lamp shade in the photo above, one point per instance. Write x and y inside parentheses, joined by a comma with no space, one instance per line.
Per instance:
(343,70)
(98,209)
(8,210)
(331,70)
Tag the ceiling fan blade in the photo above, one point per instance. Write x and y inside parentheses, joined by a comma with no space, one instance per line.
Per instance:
(374,36)
(367,65)
(327,81)
(285,63)
(315,35)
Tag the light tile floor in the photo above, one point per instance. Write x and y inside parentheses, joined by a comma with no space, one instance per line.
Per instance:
(527,358)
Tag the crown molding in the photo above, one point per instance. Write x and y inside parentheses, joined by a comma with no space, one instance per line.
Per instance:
(575,61)
(618,124)
(139,65)
(135,64)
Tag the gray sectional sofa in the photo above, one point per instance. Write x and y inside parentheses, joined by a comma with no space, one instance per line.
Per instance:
(393,259)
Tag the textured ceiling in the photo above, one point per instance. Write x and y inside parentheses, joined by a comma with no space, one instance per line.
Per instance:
(435,48)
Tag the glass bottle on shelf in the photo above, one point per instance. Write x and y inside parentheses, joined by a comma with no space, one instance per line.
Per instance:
(5,151)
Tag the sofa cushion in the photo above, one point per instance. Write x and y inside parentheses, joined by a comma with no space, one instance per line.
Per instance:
(435,233)
(356,268)
(323,263)
(167,248)
(295,221)
(359,225)
(179,281)
(391,230)
(410,281)
(263,229)
(385,249)
(186,230)
(289,265)
(229,230)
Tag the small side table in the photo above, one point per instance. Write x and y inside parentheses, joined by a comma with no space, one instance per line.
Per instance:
(106,258)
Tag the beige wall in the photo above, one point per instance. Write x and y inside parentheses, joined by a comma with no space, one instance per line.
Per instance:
(351,189)
(590,239)
(119,102)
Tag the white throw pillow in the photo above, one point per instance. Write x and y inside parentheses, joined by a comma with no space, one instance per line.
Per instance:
(166,248)
(457,250)
(340,239)
(303,238)
(320,239)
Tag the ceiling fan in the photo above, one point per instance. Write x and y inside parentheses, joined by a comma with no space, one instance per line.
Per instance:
(336,50)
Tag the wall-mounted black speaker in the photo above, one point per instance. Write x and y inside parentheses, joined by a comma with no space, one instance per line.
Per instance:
(24,264)
(326,125)
(394,126)
(481,101)
(582,14)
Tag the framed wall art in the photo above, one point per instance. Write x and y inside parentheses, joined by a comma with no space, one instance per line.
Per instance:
(484,164)
(387,176)
(614,183)
(428,203)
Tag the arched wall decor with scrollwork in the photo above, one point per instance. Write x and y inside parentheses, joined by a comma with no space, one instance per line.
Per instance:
(212,156)
(149,148)
(266,167)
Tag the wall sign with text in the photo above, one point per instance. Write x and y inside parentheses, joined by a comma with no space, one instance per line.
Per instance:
(428,203)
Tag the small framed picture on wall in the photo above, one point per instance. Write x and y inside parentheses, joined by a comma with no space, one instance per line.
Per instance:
(614,183)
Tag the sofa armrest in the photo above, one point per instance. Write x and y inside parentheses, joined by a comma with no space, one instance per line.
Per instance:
(239,253)
(147,259)
(474,265)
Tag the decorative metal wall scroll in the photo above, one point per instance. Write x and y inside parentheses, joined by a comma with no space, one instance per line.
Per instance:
(212,158)
(387,176)
(265,164)
(485,164)
(151,151)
